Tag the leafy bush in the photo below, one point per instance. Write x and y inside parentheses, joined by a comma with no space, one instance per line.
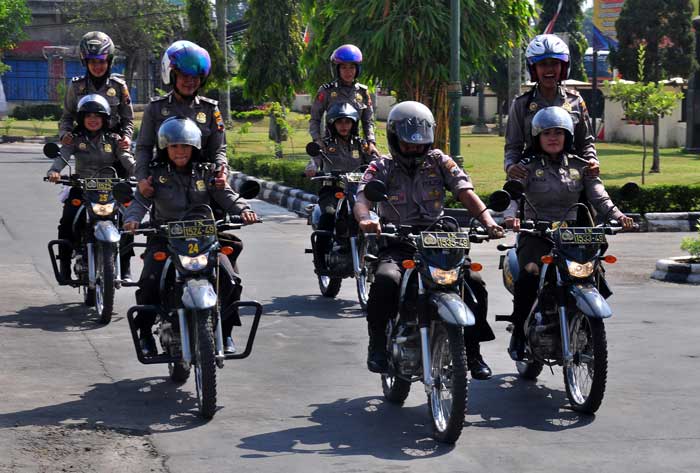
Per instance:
(669,198)
(692,245)
(466,116)
(250,115)
(287,171)
(37,112)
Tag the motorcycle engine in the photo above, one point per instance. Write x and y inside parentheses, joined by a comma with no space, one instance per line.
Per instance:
(543,335)
(169,339)
(407,355)
(340,259)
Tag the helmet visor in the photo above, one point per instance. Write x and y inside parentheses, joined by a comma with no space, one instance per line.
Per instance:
(96,56)
(190,63)
(416,131)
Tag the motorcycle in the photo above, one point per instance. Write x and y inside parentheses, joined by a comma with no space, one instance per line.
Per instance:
(349,250)
(96,263)
(425,340)
(189,318)
(565,325)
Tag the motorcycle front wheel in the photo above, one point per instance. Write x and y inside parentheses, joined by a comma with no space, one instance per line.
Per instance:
(205,363)
(104,281)
(586,376)
(448,396)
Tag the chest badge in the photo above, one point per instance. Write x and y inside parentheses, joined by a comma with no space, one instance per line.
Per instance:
(539,173)
(567,107)
(199,184)
(111,92)
(331,149)
(165,111)
(334,94)
(162,179)
(107,148)
(534,107)
(201,117)
(82,146)
(574,174)
(355,154)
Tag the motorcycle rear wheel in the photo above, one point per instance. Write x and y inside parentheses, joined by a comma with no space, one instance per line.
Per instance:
(179,371)
(395,389)
(586,377)
(329,286)
(205,364)
(448,397)
(104,282)
(529,369)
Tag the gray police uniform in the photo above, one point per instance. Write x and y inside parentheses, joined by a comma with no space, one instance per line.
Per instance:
(420,197)
(114,90)
(202,110)
(524,108)
(332,92)
(346,156)
(93,155)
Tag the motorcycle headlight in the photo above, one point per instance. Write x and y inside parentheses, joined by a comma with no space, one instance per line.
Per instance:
(444,277)
(578,270)
(195,263)
(103,209)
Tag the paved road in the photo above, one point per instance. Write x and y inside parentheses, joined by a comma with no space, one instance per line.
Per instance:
(75,397)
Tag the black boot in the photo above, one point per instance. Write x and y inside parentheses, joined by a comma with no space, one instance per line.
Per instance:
(476,364)
(377,361)
(64,268)
(125,263)
(525,293)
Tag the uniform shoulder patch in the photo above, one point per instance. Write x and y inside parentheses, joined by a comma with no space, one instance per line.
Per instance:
(328,85)
(117,79)
(527,160)
(78,78)
(158,98)
(573,92)
(361,86)
(208,100)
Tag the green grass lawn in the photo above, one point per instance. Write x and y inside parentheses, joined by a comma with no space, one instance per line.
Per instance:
(483,154)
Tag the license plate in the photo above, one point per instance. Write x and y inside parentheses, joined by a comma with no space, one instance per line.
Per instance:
(191,229)
(355,177)
(581,236)
(98,184)
(446,240)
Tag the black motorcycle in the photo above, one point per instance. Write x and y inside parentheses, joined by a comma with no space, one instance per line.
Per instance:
(189,318)
(348,251)
(566,323)
(425,341)
(96,264)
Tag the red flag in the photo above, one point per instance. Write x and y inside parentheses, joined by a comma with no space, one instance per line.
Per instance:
(550,26)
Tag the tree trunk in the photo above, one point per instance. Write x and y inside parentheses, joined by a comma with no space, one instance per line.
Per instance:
(441,113)
(644,153)
(656,161)
(224,97)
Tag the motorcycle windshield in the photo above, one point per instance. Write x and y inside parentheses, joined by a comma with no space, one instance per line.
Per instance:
(580,244)
(444,250)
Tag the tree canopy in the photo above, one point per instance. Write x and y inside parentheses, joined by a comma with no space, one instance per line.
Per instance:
(570,21)
(14,16)
(201,32)
(666,29)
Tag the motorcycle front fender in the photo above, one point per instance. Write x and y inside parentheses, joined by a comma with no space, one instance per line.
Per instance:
(590,302)
(510,270)
(106,231)
(198,294)
(451,308)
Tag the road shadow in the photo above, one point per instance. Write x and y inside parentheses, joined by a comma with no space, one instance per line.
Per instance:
(313,306)
(68,317)
(142,406)
(346,427)
(507,401)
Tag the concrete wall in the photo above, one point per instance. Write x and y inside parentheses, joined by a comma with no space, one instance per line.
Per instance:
(671,129)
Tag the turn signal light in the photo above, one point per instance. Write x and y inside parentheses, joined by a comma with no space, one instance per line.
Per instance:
(610,259)
(76,202)
(339,195)
(160,256)
(408,264)
(227,250)
(547,259)
(476,267)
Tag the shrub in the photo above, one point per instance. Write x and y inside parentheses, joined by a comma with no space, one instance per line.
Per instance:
(250,115)
(42,111)
(692,245)
(667,198)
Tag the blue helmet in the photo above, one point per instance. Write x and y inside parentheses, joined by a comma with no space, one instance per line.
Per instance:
(346,54)
(179,131)
(547,46)
(186,57)
(553,117)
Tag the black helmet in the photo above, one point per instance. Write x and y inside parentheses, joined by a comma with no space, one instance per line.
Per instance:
(93,103)
(179,131)
(342,110)
(553,117)
(96,45)
(410,122)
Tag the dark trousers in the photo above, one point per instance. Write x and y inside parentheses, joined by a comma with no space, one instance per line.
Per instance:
(384,293)
(327,203)
(530,250)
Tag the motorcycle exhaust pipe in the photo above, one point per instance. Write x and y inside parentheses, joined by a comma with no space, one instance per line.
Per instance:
(184,336)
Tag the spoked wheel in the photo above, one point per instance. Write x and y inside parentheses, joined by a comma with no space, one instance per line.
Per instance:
(179,371)
(448,397)
(586,376)
(104,282)
(395,389)
(330,287)
(205,364)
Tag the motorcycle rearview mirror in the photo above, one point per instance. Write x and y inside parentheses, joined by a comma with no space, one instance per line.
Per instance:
(313,149)
(514,188)
(51,150)
(375,191)
(629,191)
(499,201)
(249,189)
(123,192)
